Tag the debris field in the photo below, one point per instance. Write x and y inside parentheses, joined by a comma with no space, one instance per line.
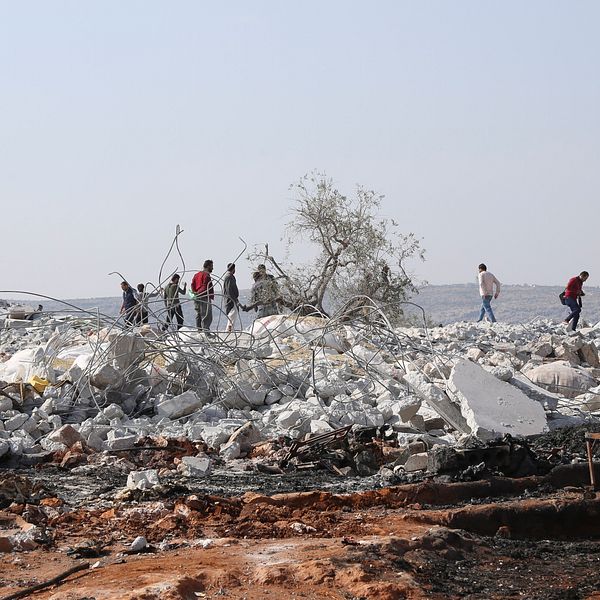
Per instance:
(334,457)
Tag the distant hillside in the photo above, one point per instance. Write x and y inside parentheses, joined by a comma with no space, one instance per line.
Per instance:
(442,303)
(516,304)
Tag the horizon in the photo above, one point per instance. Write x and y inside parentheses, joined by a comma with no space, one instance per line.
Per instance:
(34,295)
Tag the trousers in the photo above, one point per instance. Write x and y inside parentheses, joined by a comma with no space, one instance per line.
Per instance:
(486,308)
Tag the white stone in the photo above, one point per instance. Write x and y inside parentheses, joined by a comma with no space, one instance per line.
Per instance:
(437,400)
(138,544)
(15,422)
(317,426)
(113,411)
(288,418)
(142,480)
(416,462)
(179,406)
(273,397)
(230,450)
(51,446)
(252,396)
(492,407)
(115,442)
(475,354)
(542,349)
(195,466)
(502,373)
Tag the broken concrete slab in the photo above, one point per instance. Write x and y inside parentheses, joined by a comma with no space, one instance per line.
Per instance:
(438,400)
(195,466)
(549,400)
(492,407)
(416,462)
(179,406)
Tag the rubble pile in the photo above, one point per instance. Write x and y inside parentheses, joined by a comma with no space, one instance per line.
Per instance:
(353,396)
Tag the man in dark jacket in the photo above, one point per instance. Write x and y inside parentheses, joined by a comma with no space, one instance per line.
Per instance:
(129,305)
(232,294)
(573,294)
(202,286)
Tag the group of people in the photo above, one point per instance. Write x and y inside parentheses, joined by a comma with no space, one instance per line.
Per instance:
(264,299)
(489,287)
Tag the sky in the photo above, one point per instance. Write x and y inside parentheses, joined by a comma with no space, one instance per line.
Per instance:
(121,119)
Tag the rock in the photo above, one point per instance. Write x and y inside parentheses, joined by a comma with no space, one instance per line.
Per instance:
(317,427)
(567,355)
(502,373)
(66,435)
(273,397)
(438,400)
(5,404)
(542,349)
(15,422)
(589,354)
(492,407)
(126,349)
(106,376)
(115,442)
(230,450)
(195,466)
(142,480)
(179,406)
(247,435)
(562,378)
(288,419)
(4,448)
(51,446)
(475,354)
(252,396)
(138,544)
(416,462)
(113,411)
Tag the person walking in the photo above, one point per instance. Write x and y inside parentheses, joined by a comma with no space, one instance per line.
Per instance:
(142,296)
(204,291)
(232,294)
(129,304)
(487,281)
(573,295)
(174,310)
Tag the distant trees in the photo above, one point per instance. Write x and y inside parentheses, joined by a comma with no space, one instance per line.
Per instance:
(360,255)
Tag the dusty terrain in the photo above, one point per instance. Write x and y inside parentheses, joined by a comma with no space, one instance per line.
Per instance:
(533,537)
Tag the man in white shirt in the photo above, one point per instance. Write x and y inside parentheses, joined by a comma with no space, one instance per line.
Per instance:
(487,281)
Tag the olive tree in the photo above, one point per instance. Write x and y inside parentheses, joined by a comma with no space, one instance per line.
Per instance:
(360,255)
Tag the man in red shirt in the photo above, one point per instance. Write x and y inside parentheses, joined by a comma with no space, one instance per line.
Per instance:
(202,286)
(573,294)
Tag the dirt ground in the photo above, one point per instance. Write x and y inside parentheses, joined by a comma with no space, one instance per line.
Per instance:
(534,537)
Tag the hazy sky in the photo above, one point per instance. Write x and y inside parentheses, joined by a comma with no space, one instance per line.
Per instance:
(479,121)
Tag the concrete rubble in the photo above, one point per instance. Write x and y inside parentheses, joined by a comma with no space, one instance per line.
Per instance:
(68,386)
